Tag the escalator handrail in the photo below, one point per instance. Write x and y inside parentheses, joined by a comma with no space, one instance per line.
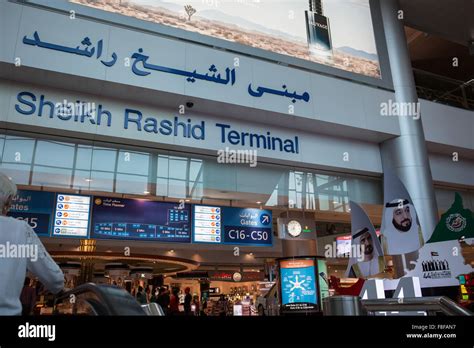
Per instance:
(107,294)
(432,303)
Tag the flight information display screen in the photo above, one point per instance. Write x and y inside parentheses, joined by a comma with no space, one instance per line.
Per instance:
(71,216)
(139,219)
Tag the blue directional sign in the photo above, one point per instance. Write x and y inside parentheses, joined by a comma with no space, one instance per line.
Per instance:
(34,207)
(247,226)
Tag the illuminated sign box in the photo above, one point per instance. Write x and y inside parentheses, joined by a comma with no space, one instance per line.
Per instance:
(35,208)
(139,219)
(235,226)
(71,216)
(299,287)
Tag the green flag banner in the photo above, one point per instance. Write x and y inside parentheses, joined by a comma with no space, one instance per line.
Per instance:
(455,223)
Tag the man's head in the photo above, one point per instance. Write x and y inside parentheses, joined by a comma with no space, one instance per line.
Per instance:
(365,241)
(402,219)
(7,192)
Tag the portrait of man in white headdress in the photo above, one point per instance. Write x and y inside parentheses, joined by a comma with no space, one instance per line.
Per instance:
(366,252)
(369,260)
(401,229)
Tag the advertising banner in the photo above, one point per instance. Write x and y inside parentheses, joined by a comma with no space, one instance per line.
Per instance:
(441,260)
(401,231)
(34,207)
(366,252)
(336,33)
(139,219)
(298,284)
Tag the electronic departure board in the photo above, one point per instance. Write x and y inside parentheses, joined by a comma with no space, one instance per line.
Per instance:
(139,219)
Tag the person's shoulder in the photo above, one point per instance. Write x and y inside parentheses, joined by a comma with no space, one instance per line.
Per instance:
(11,223)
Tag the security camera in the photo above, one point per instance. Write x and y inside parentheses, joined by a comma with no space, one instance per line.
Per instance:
(189,104)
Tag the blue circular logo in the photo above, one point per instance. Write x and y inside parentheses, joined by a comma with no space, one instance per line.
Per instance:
(61,198)
(59,214)
(265,219)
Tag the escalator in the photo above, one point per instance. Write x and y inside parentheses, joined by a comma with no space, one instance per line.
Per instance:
(101,300)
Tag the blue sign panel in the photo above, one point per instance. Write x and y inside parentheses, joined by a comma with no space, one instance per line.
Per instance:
(34,207)
(298,285)
(119,218)
(247,226)
(71,216)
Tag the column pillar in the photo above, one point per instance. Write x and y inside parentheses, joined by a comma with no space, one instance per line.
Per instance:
(407,155)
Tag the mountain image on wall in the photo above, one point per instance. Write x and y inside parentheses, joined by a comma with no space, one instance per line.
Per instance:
(358,53)
(218,16)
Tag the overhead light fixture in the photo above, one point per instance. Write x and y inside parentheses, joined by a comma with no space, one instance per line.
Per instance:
(250,254)
(171,251)
(88,245)
(146,192)
(88,180)
(258,202)
(187,200)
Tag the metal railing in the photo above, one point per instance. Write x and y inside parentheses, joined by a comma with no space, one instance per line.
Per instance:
(444,90)
(431,305)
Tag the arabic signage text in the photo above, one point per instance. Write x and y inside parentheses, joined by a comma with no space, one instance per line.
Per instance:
(142,67)
(34,207)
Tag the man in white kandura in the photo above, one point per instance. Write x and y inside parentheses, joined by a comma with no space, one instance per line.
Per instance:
(13,266)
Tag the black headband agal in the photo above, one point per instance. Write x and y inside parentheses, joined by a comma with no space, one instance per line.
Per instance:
(396,204)
(360,233)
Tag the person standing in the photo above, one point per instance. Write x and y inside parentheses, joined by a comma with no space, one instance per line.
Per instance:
(19,234)
(164,300)
(196,304)
(174,302)
(141,296)
(187,301)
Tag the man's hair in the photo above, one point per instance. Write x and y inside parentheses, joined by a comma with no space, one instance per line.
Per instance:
(7,189)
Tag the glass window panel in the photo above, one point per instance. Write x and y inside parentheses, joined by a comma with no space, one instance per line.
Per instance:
(162,187)
(131,184)
(18,150)
(195,170)
(84,157)
(54,154)
(82,179)
(323,202)
(103,159)
(102,181)
(2,143)
(178,168)
(133,163)
(50,176)
(195,189)
(177,188)
(20,173)
(163,164)
(291,181)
